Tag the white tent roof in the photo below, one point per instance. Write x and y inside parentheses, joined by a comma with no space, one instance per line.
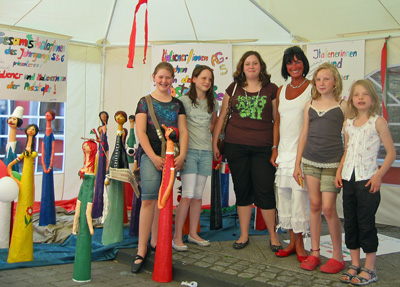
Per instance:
(246,21)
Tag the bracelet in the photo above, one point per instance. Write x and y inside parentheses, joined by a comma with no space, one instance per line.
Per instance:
(274,146)
(317,250)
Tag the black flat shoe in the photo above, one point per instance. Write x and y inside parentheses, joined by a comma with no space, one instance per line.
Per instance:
(275,248)
(237,245)
(152,248)
(137,266)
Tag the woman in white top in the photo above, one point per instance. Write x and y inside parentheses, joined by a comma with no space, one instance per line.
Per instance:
(293,203)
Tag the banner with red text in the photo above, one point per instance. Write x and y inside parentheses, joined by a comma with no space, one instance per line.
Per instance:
(32,67)
(184,58)
(348,57)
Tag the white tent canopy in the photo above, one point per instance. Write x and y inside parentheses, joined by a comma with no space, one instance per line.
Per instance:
(257,22)
(99,32)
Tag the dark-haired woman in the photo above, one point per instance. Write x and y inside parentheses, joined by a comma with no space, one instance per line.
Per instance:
(248,143)
(293,201)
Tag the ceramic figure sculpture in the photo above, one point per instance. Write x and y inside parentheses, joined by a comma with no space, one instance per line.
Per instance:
(47,204)
(14,122)
(83,225)
(21,247)
(102,162)
(113,223)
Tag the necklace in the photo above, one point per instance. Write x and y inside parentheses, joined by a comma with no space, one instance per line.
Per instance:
(247,101)
(296,87)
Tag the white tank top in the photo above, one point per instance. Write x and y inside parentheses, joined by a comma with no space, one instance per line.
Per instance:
(362,150)
(291,121)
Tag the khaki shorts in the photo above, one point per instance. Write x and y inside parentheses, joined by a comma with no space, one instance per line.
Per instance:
(325,175)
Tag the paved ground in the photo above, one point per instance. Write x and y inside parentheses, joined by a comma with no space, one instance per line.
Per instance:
(217,265)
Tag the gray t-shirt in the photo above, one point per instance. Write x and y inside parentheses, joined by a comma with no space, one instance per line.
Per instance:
(198,123)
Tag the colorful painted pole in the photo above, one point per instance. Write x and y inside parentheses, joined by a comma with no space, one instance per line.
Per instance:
(47,204)
(163,260)
(216,207)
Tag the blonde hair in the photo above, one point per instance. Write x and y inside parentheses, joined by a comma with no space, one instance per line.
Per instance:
(375,107)
(337,88)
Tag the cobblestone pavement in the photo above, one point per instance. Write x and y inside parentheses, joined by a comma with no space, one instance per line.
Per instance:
(256,265)
(217,265)
(104,274)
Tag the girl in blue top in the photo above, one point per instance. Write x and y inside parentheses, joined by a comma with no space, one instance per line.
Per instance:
(360,177)
(201,114)
(170,112)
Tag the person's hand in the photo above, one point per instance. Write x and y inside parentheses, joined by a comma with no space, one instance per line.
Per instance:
(178,162)
(274,156)
(216,153)
(298,176)
(374,183)
(158,162)
(338,180)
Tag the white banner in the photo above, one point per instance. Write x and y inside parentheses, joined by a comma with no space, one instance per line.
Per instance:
(348,57)
(32,67)
(184,58)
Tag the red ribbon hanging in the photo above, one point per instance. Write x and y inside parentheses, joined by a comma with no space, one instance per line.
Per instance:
(132,42)
(383,80)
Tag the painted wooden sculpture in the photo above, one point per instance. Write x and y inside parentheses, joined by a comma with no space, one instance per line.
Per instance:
(47,204)
(163,260)
(14,122)
(83,225)
(113,230)
(136,202)
(102,163)
(21,247)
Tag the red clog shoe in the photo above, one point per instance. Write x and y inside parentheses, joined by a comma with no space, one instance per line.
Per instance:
(310,263)
(301,258)
(333,266)
(283,253)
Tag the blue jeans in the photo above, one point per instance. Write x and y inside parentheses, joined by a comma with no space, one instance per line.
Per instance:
(198,162)
(150,177)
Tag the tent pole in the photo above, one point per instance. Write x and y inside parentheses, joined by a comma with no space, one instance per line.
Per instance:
(103,61)
(274,19)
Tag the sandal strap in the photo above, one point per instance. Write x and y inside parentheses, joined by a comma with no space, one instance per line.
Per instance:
(372,273)
(138,257)
(355,268)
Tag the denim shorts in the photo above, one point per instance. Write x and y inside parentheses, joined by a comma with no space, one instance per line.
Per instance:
(150,178)
(198,162)
(325,175)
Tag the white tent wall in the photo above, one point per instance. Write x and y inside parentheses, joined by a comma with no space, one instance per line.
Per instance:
(123,88)
(81,110)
